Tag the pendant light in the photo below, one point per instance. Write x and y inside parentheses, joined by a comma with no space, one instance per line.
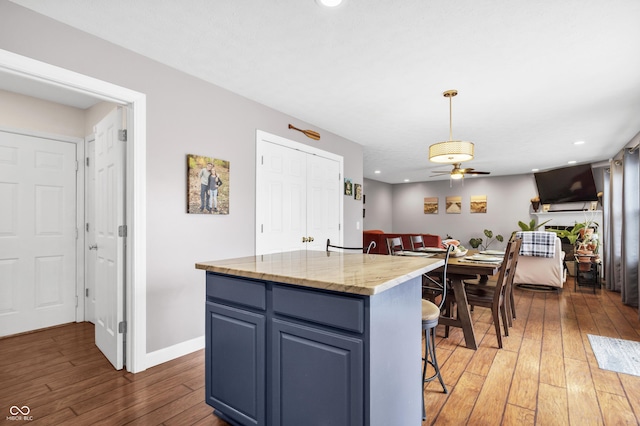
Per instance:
(451,151)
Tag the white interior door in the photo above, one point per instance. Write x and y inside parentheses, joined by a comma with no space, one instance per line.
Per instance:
(281,199)
(323,195)
(298,195)
(37,233)
(110,241)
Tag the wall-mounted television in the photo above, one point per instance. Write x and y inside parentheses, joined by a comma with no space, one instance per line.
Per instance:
(566,185)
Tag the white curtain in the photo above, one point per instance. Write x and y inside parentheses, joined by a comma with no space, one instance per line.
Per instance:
(622,218)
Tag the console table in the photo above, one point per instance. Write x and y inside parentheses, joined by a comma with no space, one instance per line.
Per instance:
(315,338)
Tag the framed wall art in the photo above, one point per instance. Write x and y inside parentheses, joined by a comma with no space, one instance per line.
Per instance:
(357,190)
(348,187)
(454,205)
(430,205)
(478,204)
(207,185)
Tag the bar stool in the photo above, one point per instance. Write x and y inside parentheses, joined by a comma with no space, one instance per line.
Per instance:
(430,316)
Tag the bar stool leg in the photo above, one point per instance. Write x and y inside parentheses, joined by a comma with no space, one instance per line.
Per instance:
(430,358)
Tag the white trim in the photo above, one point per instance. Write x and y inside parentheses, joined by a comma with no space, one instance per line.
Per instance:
(136,308)
(172,352)
(262,136)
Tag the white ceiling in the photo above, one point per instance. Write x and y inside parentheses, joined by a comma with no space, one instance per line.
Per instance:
(533,77)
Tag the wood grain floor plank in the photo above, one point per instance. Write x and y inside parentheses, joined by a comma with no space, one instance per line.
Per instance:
(489,407)
(616,409)
(524,389)
(552,406)
(460,403)
(581,394)
(514,415)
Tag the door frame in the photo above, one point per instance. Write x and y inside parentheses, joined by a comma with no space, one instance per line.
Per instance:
(135,184)
(261,137)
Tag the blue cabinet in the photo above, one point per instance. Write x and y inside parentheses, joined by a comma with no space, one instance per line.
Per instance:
(287,355)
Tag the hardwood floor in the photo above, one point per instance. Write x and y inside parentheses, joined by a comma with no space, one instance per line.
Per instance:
(545,375)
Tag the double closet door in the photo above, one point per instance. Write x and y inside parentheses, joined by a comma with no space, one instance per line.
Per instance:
(298,200)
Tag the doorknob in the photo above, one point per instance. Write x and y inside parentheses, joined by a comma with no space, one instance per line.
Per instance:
(93,247)
(310,239)
(305,239)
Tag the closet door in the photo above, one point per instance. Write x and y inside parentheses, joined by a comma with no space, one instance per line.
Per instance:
(298,199)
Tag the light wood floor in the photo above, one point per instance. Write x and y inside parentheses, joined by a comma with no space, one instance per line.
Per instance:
(546,374)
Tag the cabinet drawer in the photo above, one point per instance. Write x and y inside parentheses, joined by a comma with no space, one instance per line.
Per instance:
(323,308)
(239,291)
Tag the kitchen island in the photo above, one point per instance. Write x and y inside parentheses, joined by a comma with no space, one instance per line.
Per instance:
(312,337)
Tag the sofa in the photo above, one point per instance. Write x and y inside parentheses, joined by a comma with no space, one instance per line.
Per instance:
(534,271)
(380,238)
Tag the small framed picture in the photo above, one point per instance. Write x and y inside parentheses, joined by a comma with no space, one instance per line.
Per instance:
(348,187)
(357,189)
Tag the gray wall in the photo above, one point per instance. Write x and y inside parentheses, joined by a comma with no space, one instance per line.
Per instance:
(508,201)
(185,115)
(379,198)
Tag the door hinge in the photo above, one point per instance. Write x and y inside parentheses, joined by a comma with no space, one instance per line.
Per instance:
(86,292)
(122,231)
(262,160)
(122,327)
(122,135)
(339,226)
(262,228)
(87,162)
(77,166)
(86,226)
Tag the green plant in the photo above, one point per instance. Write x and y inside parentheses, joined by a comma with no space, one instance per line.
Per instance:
(477,242)
(570,234)
(531,226)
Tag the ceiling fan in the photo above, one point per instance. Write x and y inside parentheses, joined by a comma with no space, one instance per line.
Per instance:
(457,172)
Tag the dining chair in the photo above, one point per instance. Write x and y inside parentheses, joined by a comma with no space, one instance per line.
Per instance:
(509,299)
(416,242)
(394,244)
(430,317)
(494,297)
(367,249)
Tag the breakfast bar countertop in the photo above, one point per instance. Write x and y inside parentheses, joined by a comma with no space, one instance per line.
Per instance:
(364,274)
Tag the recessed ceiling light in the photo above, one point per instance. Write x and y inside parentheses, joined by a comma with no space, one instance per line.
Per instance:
(407,180)
(329,3)
(572,162)
(535,170)
(578,143)
(377,172)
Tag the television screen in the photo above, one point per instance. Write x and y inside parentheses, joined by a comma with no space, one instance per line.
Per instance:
(566,185)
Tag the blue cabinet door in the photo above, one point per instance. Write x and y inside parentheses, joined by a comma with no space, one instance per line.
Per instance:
(317,376)
(235,363)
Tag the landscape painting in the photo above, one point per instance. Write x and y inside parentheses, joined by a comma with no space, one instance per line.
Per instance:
(478,204)
(454,205)
(430,205)
(207,185)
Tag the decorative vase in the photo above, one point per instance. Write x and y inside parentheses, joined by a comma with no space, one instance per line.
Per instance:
(535,205)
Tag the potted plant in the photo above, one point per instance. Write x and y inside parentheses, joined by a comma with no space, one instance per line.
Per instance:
(477,242)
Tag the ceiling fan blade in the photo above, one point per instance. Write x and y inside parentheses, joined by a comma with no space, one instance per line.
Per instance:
(478,173)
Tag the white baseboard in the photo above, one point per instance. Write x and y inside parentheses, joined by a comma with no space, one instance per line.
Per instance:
(172,352)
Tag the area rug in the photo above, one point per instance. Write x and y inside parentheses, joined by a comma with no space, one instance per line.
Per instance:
(621,356)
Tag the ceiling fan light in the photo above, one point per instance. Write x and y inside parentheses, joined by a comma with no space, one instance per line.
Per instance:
(457,176)
(451,152)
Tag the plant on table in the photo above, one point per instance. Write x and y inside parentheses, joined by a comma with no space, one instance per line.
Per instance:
(477,242)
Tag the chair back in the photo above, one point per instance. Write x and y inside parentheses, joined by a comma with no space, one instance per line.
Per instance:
(416,241)
(394,244)
(507,270)
(333,247)
(438,287)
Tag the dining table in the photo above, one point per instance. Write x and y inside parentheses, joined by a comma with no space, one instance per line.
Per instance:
(459,269)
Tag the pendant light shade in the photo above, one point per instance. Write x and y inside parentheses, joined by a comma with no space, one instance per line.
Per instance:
(451,151)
